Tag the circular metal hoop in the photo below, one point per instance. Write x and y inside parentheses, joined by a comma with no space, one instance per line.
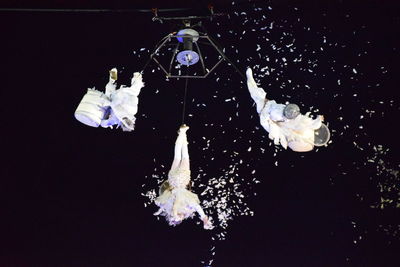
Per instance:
(322,136)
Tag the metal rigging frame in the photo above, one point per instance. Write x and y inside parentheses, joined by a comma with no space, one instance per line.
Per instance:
(202,36)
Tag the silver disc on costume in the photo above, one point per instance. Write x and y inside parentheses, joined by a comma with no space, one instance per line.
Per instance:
(291,111)
(164,186)
(321,135)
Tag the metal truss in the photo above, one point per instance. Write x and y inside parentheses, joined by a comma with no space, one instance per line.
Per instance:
(205,71)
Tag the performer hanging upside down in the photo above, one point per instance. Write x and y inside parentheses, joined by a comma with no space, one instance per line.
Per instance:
(123,102)
(285,124)
(176,202)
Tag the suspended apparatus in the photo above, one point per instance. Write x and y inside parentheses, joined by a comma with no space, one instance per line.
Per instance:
(185,48)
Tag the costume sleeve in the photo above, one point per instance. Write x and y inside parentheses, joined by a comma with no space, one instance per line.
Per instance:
(257,94)
(265,121)
(275,110)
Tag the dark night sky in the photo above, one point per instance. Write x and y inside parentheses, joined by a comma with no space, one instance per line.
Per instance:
(72,195)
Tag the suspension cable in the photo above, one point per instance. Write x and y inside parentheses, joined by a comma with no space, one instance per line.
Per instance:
(184,95)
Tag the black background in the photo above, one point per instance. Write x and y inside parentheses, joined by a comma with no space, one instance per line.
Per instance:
(71,194)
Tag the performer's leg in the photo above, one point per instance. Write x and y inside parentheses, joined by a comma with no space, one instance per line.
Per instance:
(185,162)
(178,151)
(136,83)
(111,85)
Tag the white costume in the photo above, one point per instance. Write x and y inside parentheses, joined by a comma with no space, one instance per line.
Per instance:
(176,202)
(297,133)
(123,102)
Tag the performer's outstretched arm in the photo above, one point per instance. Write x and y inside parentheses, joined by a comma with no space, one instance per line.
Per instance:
(258,94)
(158,212)
(206,221)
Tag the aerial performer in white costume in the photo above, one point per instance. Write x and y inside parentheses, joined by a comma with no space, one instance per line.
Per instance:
(176,202)
(285,124)
(123,102)
(114,107)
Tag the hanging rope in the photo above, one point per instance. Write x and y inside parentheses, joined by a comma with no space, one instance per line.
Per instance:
(184,95)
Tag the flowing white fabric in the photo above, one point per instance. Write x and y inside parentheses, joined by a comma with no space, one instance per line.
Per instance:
(123,103)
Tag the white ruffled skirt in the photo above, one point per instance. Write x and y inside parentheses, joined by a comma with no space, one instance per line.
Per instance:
(177,204)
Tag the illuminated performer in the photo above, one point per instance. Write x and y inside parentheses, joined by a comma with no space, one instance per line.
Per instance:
(123,102)
(176,202)
(285,124)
